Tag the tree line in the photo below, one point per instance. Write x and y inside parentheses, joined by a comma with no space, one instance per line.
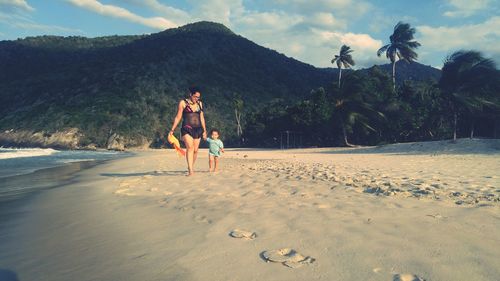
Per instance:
(369,108)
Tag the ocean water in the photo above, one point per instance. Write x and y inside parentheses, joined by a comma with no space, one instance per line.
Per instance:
(28,169)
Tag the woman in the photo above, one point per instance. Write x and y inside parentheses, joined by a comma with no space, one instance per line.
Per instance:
(190,110)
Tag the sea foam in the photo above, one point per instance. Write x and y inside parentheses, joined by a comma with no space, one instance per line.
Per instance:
(9,153)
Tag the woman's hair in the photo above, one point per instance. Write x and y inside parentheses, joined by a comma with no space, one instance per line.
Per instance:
(193,90)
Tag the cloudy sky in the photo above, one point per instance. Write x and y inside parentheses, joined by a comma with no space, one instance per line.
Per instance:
(309,30)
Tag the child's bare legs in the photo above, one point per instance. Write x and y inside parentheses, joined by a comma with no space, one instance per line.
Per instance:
(211,160)
(216,160)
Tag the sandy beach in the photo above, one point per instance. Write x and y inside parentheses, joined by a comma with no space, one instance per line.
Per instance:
(418,211)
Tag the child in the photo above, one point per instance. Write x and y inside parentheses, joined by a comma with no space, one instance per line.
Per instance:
(215,147)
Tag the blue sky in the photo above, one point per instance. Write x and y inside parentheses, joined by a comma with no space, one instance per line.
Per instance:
(309,30)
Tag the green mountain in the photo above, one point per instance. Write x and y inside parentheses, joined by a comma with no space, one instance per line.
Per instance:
(129,86)
(413,71)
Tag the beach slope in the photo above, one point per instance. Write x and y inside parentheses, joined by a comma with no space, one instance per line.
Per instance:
(422,211)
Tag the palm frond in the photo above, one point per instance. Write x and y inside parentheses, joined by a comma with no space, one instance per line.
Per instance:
(383,50)
(407,54)
(350,62)
(468,72)
(345,50)
(402,44)
(335,59)
(413,44)
(391,53)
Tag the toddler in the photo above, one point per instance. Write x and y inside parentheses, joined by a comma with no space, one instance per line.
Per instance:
(215,147)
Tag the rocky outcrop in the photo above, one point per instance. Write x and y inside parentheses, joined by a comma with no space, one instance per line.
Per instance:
(140,142)
(65,139)
(70,138)
(115,142)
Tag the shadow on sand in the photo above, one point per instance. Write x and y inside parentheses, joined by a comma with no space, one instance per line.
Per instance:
(153,173)
(8,275)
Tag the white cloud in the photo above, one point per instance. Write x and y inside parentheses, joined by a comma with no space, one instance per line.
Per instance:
(363,45)
(326,20)
(46,28)
(306,37)
(314,45)
(316,5)
(267,22)
(20,4)
(172,13)
(21,22)
(348,9)
(118,12)
(466,8)
(482,37)
(223,11)
(14,15)
(291,29)
(309,31)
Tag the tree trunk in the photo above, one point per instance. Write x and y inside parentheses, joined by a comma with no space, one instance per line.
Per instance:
(344,131)
(340,75)
(394,75)
(472,130)
(455,126)
(237,115)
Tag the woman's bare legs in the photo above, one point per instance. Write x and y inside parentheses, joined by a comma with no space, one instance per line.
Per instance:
(191,151)
(196,145)
(188,142)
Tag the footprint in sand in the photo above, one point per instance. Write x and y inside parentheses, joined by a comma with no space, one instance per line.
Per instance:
(124,191)
(437,216)
(129,182)
(124,184)
(407,277)
(164,201)
(287,257)
(321,206)
(202,219)
(239,233)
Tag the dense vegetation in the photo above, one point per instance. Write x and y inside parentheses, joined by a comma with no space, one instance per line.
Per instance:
(130,85)
(369,108)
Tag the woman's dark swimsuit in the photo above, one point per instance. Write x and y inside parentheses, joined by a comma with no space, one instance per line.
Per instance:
(191,122)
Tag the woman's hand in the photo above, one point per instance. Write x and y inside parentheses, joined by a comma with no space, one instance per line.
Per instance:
(171,132)
(204,135)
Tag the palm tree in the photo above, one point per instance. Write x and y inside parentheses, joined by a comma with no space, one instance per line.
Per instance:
(401,47)
(350,107)
(344,59)
(469,82)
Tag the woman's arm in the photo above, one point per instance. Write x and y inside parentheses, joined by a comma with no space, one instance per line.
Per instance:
(178,117)
(202,119)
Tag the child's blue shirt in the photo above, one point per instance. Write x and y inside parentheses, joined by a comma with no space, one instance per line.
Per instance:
(214,146)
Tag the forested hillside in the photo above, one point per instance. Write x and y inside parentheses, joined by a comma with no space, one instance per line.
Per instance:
(129,85)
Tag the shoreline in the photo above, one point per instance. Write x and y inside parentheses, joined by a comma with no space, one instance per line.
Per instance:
(379,148)
(42,179)
(141,218)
